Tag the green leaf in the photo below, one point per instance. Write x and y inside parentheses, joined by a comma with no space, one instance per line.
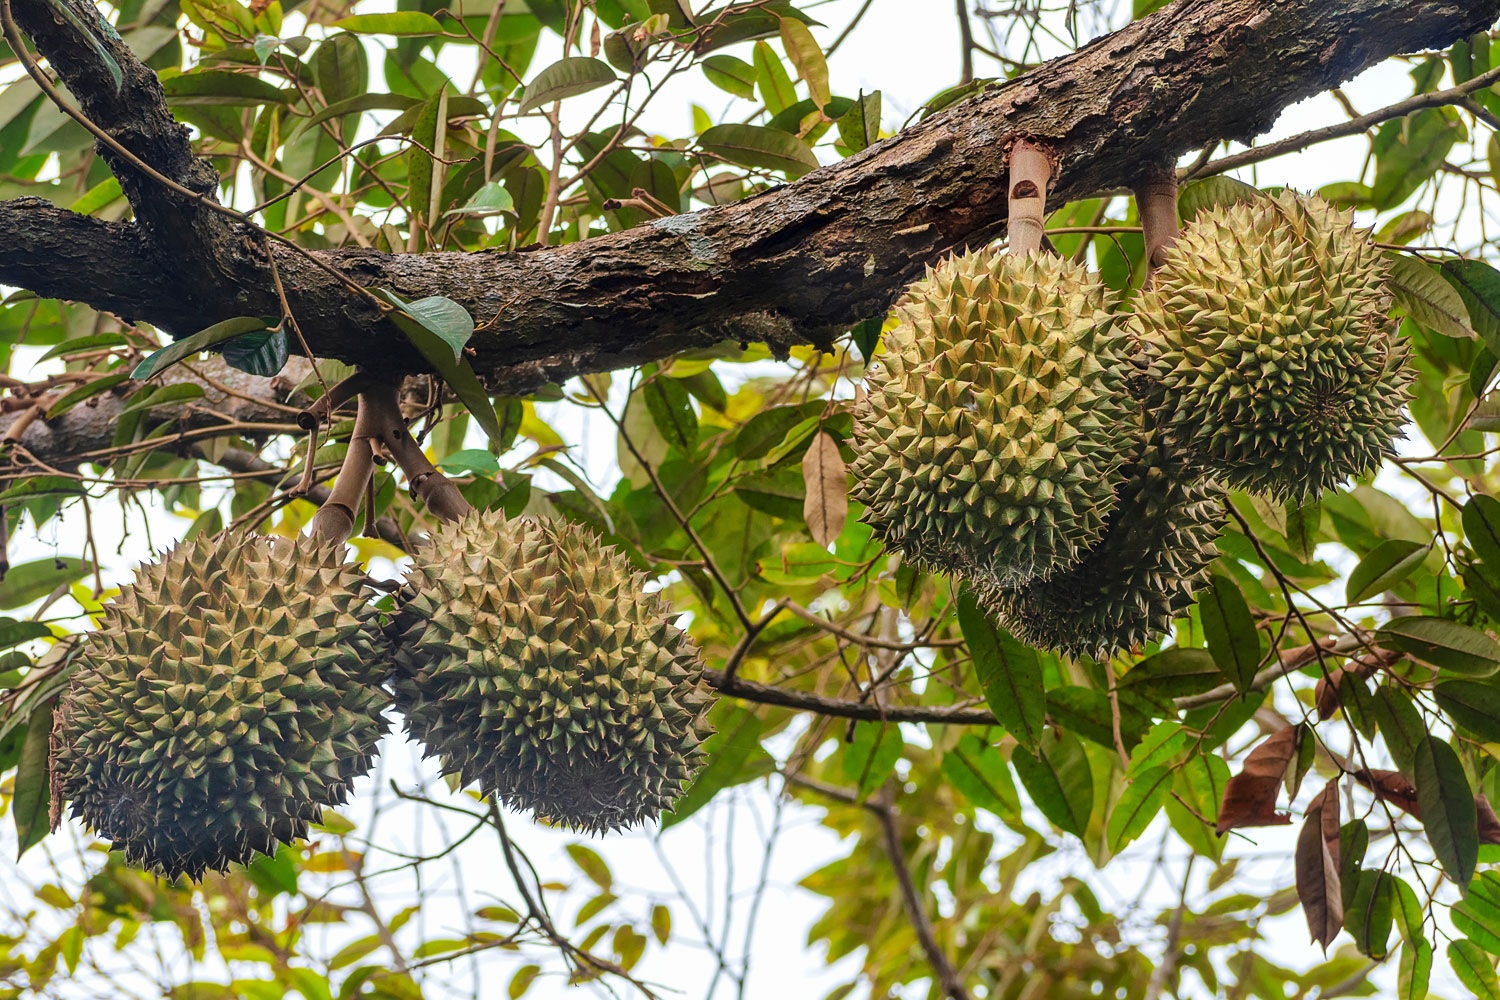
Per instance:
(672,412)
(1474,705)
(1058,780)
(491,199)
(1213,192)
(566,78)
(1138,806)
(522,980)
(776,89)
(1478,284)
(758,146)
(733,754)
(31,581)
(1474,969)
(1414,970)
(1408,151)
(1442,643)
(591,864)
(475,460)
(731,74)
(768,428)
(1230,631)
(439,333)
(979,771)
(357,104)
(222,88)
(860,125)
(1478,914)
(1400,723)
(1368,917)
(406,22)
(1392,561)
(13,633)
(1481,522)
(262,353)
(77,345)
(1009,671)
(31,803)
(1447,806)
(178,350)
(1421,293)
(166,395)
(87,390)
(870,757)
(1173,673)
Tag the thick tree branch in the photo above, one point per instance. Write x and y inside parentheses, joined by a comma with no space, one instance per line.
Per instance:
(802,262)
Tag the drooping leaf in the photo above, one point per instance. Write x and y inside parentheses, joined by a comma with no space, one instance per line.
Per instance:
(1138,805)
(827,504)
(1370,915)
(438,334)
(1009,670)
(732,74)
(1250,796)
(1474,705)
(1447,807)
(1230,630)
(1477,915)
(1481,520)
(1391,787)
(980,772)
(1474,969)
(32,798)
(1478,284)
(1058,780)
(872,754)
(1318,887)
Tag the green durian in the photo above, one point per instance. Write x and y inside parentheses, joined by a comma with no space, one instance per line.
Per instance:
(1143,574)
(992,435)
(232,691)
(534,664)
(1267,349)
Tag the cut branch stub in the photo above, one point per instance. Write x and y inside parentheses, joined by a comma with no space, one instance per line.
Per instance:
(1030,170)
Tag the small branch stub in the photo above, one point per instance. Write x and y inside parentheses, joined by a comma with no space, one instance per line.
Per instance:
(1030,171)
(1156,203)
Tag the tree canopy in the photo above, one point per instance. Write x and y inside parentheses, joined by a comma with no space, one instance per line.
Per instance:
(221,221)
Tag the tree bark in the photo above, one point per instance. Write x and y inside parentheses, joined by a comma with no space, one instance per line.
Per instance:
(798,264)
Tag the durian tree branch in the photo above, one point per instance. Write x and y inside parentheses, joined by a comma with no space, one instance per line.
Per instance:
(799,263)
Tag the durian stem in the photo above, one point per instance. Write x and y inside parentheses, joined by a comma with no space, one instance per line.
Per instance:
(335,518)
(435,490)
(1156,203)
(1030,170)
(322,409)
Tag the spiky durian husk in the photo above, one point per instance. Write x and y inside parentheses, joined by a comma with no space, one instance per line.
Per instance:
(232,691)
(536,666)
(1144,574)
(1267,348)
(993,431)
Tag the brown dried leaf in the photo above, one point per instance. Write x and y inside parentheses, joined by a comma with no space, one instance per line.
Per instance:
(1250,796)
(827,504)
(1318,886)
(1327,694)
(1489,823)
(1390,786)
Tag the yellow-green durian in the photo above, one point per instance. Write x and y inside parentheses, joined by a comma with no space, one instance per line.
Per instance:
(991,438)
(1267,347)
(534,664)
(232,691)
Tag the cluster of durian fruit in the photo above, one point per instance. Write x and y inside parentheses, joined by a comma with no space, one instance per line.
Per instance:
(238,686)
(1069,459)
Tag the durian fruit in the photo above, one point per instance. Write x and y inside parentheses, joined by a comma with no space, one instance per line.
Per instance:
(1144,573)
(992,435)
(232,691)
(534,665)
(1267,349)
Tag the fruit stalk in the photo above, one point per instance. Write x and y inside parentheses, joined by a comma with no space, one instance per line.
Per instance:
(1156,203)
(1030,170)
(335,518)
